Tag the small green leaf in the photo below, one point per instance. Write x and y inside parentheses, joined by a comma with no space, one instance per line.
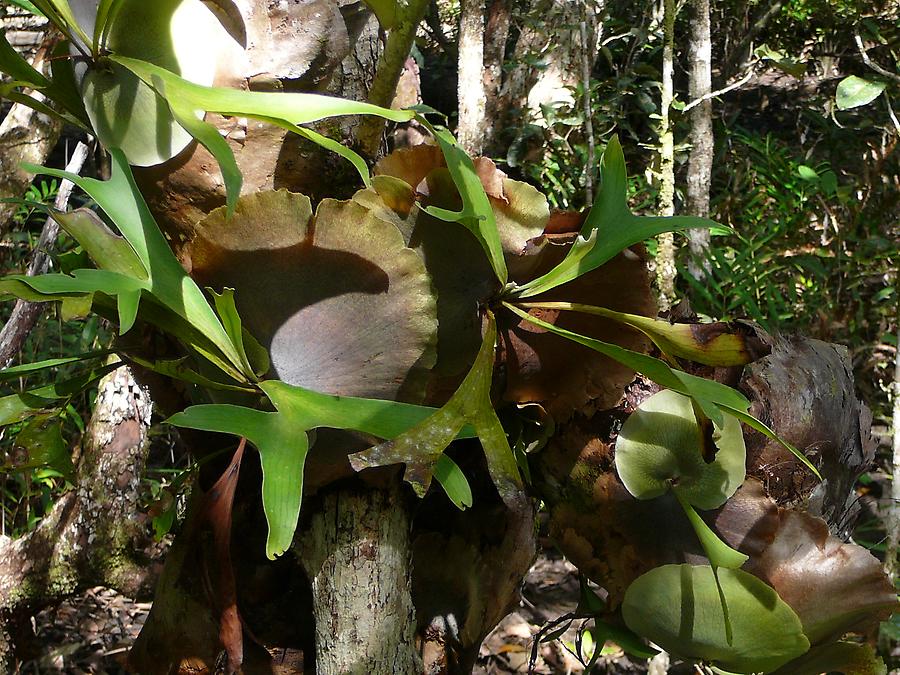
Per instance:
(232,322)
(807,173)
(42,438)
(719,553)
(26,369)
(679,608)
(454,482)
(476,214)
(853,92)
(421,447)
(659,449)
(22,405)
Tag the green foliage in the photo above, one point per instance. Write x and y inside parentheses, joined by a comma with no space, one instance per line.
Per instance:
(610,227)
(658,449)
(725,617)
(713,613)
(854,91)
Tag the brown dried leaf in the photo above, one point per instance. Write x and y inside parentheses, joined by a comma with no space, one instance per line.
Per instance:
(834,587)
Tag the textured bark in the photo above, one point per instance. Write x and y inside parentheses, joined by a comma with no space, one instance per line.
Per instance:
(471,96)
(665,256)
(804,390)
(310,46)
(699,171)
(25,314)
(95,535)
(356,552)
(496,32)
(894,521)
(25,136)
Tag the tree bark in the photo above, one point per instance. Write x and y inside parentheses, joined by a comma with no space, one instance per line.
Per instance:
(95,535)
(25,136)
(25,314)
(356,552)
(891,562)
(471,97)
(496,32)
(665,257)
(371,129)
(556,39)
(699,171)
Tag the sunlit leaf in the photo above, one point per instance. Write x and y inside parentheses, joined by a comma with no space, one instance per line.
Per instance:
(719,553)
(713,344)
(188,100)
(127,114)
(659,449)
(476,214)
(166,280)
(20,406)
(282,441)
(420,448)
(853,92)
(679,608)
(26,369)
(610,228)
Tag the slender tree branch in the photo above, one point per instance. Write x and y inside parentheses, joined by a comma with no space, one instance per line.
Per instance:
(470,88)
(384,86)
(720,92)
(863,52)
(25,314)
(588,113)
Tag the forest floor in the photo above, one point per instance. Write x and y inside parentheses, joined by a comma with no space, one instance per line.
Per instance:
(93,632)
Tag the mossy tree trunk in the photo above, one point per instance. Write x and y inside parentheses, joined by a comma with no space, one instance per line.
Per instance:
(94,535)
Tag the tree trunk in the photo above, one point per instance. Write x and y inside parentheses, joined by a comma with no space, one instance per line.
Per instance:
(891,562)
(25,136)
(94,535)
(700,161)
(665,257)
(496,32)
(470,129)
(356,552)
(556,40)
